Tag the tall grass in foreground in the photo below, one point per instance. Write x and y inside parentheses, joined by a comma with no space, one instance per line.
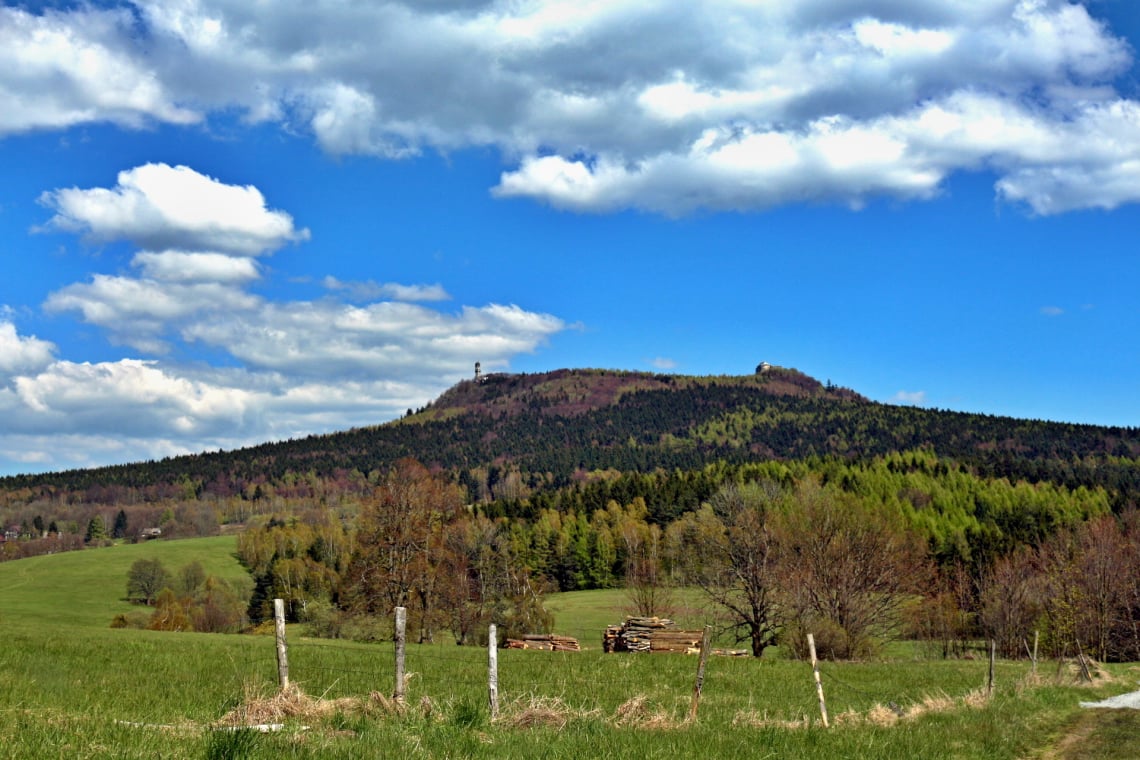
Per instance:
(125,693)
(70,687)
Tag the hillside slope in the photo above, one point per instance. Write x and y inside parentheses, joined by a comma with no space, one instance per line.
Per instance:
(562,422)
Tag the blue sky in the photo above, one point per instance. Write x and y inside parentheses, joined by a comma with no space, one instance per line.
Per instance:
(220,226)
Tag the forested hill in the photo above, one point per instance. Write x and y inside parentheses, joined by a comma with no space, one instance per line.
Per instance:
(549,426)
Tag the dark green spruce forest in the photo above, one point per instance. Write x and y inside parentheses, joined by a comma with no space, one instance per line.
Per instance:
(515,485)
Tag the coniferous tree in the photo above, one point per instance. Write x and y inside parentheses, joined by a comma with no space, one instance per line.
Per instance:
(96,530)
(120,528)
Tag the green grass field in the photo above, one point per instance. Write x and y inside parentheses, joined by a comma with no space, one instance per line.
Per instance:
(71,687)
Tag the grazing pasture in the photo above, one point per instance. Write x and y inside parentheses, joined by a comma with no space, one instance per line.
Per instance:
(72,687)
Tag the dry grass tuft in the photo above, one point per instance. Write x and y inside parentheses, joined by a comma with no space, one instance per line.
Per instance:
(377,701)
(292,702)
(631,711)
(932,703)
(847,718)
(761,720)
(659,721)
(256,708)
(977,699)
(635,712)
(538,712)
(882,716)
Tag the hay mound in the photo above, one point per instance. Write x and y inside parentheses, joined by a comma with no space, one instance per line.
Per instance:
(258,709)
(538,712)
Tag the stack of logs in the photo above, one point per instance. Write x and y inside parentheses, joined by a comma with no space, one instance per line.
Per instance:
(550,642)
(639,634)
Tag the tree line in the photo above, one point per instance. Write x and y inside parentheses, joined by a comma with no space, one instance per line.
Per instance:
(854,552)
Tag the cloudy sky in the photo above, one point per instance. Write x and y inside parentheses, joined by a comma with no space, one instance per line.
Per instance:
(223,222)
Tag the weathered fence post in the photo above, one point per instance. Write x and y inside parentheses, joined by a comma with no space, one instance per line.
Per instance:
(401,641)
(1086,675)
(993,658)
(1036,635)
(706,643)
(818,681)
(282,653)
(493,670)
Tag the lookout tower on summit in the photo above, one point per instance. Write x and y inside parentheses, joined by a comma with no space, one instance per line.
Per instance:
(478,372)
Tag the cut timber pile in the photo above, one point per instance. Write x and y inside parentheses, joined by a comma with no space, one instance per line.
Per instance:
(550,642)
(639,634)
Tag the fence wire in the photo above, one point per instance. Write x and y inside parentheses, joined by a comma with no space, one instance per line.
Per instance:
(445,672)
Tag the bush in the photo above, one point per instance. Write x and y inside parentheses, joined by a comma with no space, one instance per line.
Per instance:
(366,628)
(322,619)
(218,609)
(131,620)
(832,642)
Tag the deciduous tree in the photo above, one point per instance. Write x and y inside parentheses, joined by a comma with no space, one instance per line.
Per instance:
(846,569)
(146,579)
(731,554)
(398,549)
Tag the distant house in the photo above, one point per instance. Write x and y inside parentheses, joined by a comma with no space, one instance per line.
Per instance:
(12,532)
(149,533)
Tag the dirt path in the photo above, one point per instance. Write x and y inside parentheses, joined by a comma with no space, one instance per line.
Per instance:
(1111,731)
(1072,743)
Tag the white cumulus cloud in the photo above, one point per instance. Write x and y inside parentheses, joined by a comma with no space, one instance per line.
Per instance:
(79,66)
(289,368)
(191,266)
(22,354)
(602,106)
(157,206)
(393,290)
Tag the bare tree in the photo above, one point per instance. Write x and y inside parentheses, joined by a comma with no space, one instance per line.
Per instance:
(1089,592)
(942,618)
(845,569)
(483,579)
(399,544)
(646,582)
(732,555)
(1009,600)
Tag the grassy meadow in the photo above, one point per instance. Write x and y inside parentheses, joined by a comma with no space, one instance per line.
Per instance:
(72,687)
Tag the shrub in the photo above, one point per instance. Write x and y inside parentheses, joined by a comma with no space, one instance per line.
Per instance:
(131,620)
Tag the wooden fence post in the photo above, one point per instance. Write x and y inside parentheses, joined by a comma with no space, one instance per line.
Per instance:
(282,652)
(993,657)
(706,643)
(1085,674)
(818,682)
(401,642)
(1036,634)
(493,671)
